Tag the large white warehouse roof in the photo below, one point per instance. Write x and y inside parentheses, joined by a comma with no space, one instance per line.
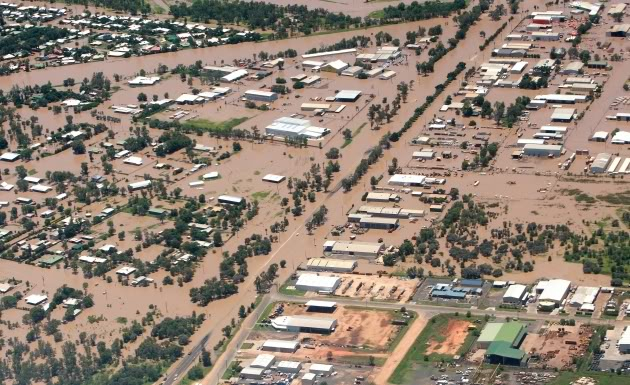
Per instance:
(516,291)
(555,290)
(318,282)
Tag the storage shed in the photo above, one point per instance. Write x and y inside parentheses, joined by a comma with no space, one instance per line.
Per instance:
(250,373)
(280,346)
(263,361)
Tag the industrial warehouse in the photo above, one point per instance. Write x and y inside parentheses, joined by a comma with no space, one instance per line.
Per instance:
(304,324)
(502,341)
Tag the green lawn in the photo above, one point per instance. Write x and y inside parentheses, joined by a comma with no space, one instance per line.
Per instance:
(377,14)
(434,331)
(284,289)
(213,127)
(232,370)
(260,195)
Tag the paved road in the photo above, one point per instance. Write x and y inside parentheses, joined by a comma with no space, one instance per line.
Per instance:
(221,364)
(186,362)
(436,309)
(424,309)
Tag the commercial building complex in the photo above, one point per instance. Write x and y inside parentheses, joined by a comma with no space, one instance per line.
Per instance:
(293,128)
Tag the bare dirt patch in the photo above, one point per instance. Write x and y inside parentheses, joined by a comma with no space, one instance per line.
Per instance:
(456,333)
(356,327)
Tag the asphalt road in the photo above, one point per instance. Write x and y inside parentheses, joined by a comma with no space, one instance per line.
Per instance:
(186,362)
(436,309)
(427,310)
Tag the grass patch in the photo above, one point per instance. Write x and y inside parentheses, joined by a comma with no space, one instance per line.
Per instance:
(377,14)
(565,378)
(232,371)
(247,345)
(434,331)
(289,289)
(265,314)
(121,320)
(579,196)
(260,195)
(622,198)
(346,142)
(363,360)
(220,128)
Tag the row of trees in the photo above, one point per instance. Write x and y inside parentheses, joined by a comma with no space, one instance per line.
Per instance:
(261,15)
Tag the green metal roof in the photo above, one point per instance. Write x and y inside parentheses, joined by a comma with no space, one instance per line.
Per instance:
(510,332)
(505,350)
(50,259)
(489,333)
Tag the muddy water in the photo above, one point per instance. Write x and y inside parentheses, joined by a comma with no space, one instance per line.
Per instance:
(213,55)
(240,173)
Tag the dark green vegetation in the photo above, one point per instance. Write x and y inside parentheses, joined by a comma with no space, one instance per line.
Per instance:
(199,126)
(434,332)
(29,39)
(132,6)
(286,21)
(579,195)
(421,11)
(260,15)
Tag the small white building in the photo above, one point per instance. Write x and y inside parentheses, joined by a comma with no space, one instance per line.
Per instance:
(139,185)
(251,373)
(515,294)
(134,160)
(36,299)
(406,180)
(144,81)
(274,178)
(281,346)
(322,369)
(263,361)
(289,366)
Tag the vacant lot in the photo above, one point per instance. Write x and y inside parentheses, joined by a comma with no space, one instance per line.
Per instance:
(367,328)
(444,337)
(451,340)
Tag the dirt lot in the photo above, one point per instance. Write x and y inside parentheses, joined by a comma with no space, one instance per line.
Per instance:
(456,332)
(557,345)
(368,328)
(377,288)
